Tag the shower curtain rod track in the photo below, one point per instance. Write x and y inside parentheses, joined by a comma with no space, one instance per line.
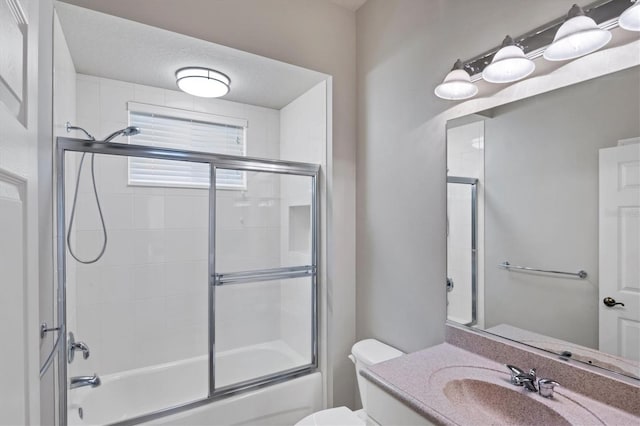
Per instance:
(220,160)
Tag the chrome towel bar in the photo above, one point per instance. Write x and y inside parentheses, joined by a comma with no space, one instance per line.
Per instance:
(580,274)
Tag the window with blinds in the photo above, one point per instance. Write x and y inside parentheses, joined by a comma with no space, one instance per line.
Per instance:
(190,131)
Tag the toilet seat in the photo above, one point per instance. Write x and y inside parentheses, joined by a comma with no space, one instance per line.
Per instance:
(340,416)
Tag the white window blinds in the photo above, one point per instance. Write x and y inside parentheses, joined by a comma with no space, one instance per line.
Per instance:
(189,131)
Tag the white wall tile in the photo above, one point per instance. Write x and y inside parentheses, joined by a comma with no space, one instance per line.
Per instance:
(114,96)
(119,248)
(117,284)
(148,246)
(174,99)
(149,281)
(148,211)
(148,95)
(87,97)
(118,210)
(151,286)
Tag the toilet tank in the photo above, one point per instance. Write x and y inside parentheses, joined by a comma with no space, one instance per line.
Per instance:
(368,352)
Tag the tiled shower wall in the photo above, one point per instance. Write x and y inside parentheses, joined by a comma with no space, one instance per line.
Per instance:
(145,302)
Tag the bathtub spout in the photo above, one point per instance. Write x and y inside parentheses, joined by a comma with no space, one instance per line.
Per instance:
(80,381)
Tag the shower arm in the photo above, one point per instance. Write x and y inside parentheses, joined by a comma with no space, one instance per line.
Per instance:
(69,128)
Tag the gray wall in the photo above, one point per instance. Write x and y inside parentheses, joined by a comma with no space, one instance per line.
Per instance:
(404,50)
(541,188)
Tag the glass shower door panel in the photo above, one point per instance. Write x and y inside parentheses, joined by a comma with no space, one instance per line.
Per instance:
(459,253)
(261,329)
(142,308)
(264,225)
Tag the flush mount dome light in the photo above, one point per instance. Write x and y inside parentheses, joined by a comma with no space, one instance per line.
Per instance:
(578,36)
(457,84)
(509,64)
(630,18)
(203,82)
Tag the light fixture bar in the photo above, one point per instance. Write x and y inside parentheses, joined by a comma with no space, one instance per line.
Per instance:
(533,43)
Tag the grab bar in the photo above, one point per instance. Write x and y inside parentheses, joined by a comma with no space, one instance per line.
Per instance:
(580,274)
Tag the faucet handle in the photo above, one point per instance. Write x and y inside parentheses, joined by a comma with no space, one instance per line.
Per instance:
(515,372)
(76,346)
(545,387)
(532,372)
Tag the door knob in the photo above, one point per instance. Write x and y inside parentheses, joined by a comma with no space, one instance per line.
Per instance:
(611,302)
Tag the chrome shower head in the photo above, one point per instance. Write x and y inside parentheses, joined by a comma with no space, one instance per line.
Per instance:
(129,131)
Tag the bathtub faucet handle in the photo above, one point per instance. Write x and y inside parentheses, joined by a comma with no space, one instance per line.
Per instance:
(76,346)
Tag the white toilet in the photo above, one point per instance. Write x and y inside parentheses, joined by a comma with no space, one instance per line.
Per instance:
(364,353)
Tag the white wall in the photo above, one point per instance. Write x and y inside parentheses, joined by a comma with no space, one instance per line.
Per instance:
(149,292)
(313,34)
(405,48)
(541,159)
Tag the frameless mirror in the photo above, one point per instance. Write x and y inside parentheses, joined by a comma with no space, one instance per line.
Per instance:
(544,221)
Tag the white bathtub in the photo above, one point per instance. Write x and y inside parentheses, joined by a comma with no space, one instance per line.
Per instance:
(142,391)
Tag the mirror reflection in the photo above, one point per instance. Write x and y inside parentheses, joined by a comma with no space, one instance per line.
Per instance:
(544,221)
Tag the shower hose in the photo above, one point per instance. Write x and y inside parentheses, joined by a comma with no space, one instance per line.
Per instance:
(54,349)
(73,212)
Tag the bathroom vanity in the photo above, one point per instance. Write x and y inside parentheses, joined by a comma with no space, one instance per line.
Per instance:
(450,385)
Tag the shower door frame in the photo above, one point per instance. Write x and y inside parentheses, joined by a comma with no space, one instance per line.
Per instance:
(215,161)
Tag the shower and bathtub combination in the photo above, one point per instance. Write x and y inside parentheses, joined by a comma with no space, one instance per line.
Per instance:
(180,304)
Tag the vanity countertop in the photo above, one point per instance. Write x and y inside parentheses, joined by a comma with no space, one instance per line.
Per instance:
(451,386)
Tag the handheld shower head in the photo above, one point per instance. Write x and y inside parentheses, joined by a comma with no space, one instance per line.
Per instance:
(129,131)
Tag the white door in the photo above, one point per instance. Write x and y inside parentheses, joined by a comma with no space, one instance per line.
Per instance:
(620,250)
(19,382)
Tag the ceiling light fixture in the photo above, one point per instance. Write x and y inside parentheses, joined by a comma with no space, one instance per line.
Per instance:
(203,82)
(630,18)
(509,64)
(578,36)
(457,84)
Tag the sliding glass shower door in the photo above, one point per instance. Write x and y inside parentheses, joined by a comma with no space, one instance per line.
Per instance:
(201,291)
(265,272)
(137,315)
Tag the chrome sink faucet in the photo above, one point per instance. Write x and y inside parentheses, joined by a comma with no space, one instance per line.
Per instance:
(530,381)
(520,378)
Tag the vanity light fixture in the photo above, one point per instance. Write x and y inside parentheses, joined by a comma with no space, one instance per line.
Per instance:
(202,82)
(630,18)
(579,35)
(457,84)
(509,64)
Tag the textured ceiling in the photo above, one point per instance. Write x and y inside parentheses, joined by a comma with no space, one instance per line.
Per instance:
(107,46)
(352,5)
